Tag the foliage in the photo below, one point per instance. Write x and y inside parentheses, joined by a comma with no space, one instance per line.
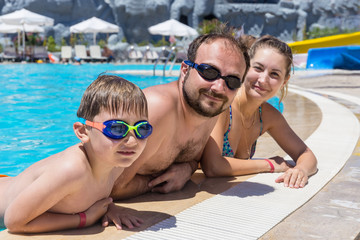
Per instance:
(63,42)
(102,43)
(1,48)
(33,39)
(51,45)
(161,42)
(324,32)
(209,26)
(73,39)
(143,43)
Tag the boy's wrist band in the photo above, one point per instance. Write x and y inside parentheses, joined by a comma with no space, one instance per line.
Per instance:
(271,165)
(82,220)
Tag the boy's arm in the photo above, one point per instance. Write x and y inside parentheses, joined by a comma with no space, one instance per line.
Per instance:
(48,222)
(28,212)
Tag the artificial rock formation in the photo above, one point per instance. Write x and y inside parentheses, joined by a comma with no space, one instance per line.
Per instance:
(286,19)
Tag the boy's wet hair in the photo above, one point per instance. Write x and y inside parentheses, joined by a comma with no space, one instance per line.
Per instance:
(112,94)
(268,41)
(225,33)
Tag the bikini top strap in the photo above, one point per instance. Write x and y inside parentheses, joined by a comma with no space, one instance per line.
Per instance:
(261,122)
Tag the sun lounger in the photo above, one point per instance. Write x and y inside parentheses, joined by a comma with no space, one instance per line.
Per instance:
(95,53)
(10,54)
(135,54)
(40,53)
(66,53)
(80,52)
(151,55)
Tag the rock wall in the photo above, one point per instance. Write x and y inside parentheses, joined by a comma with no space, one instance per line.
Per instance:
(286,19)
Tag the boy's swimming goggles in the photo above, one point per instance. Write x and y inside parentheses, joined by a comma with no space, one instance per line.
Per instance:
(117,129)
(209,73)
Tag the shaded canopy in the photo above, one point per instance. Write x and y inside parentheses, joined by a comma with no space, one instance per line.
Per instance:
(94,25)
(172,27)
(24,16)
(7,28)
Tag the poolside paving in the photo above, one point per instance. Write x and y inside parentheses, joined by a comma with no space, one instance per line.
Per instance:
(253,206)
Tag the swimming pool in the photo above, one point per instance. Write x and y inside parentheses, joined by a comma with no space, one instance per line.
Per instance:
(39,104)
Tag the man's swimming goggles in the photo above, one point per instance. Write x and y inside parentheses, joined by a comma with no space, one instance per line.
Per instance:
(209,73)
(117,129)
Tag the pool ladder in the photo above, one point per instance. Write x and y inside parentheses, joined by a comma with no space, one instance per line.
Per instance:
(165,58)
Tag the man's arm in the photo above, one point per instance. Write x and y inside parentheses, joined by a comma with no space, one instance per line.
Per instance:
(137,186)
(174,178)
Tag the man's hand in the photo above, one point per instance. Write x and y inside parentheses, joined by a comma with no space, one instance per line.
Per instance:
(119,217)
(173,179)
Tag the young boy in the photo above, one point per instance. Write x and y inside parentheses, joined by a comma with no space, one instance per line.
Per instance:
(71,189)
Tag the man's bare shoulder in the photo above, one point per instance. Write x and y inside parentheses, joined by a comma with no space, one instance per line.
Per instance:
(162,92)
(162,99)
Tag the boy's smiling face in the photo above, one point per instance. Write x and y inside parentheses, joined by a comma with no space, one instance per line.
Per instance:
(116,152)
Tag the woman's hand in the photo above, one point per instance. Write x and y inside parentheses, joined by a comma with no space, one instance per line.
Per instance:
(293,178)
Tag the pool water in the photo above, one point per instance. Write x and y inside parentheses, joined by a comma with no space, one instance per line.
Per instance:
(38,105)
(39,102)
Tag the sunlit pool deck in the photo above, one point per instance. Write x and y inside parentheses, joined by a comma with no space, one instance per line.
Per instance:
(323,108)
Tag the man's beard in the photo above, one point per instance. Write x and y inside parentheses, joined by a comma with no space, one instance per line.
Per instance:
(196,104)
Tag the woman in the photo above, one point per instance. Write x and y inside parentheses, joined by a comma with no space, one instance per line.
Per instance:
(233,140)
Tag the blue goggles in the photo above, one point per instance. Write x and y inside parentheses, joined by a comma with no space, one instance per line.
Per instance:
(210,74)
(117,129)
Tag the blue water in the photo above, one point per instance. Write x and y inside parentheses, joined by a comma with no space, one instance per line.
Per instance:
(38,105)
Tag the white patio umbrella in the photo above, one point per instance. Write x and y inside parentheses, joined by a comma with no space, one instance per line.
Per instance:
(7,28)
(27,19)
(172,27)
(94,25)
(24,16)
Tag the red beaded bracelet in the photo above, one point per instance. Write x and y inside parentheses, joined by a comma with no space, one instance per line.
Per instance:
(82,220)
(271,165)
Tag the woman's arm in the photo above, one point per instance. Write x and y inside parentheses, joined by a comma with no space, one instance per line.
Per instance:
(306,163)
(214,164)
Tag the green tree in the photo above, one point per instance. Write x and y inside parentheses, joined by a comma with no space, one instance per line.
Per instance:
(51,45)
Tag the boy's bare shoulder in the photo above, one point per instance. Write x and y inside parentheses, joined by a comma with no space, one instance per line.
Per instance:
(71,163)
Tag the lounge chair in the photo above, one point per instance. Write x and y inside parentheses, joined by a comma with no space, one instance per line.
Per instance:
(66,53)
(151,55)
(135,54)
(10,54)
(40,53)
(95,54)
(80,52)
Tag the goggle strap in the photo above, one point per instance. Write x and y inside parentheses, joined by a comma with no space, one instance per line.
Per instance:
(99,126)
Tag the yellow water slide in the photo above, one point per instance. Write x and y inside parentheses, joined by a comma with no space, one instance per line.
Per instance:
(330,41)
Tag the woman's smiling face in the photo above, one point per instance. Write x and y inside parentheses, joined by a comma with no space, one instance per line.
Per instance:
(267,73)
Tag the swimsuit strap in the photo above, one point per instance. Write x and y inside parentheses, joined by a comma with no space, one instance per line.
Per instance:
(253,147)
(227,150)
(261,121)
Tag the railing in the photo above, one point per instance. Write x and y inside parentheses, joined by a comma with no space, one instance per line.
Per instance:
(166,60)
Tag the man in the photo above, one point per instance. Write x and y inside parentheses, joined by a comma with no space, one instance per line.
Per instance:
(183,114)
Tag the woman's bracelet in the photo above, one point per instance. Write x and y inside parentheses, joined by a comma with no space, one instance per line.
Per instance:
(82,220)
(271,165)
